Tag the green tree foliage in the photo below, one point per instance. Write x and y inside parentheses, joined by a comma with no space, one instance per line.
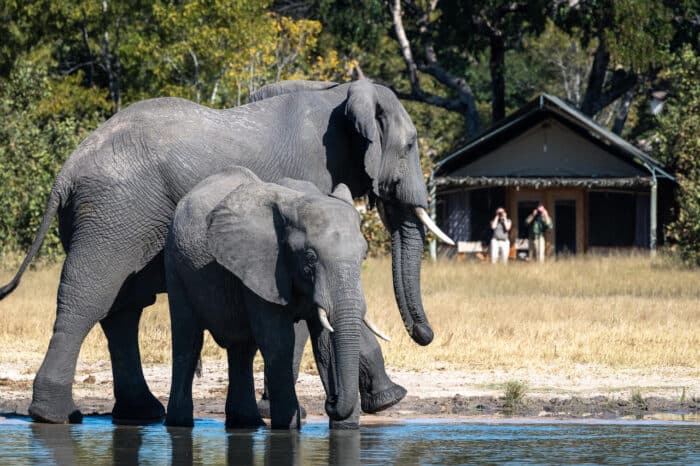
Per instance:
(66,66)
(564,61)
(43,120)
(679,148)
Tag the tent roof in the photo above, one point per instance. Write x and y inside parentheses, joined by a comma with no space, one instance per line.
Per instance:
(543,107)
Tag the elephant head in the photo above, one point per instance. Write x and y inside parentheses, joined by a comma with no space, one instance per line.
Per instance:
(386,136)
(384,141)
(304,251)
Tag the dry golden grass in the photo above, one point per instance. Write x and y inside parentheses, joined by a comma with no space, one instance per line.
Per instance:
(616,312)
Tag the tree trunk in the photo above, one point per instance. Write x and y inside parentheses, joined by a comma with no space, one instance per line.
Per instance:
(594,90)
(498,83)
(622,111)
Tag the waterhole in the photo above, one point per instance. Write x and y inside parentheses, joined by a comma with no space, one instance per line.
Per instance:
(413,442)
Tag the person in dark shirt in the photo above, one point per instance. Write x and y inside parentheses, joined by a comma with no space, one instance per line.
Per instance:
(538,222)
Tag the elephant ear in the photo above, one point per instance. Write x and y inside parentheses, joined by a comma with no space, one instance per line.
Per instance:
(362,109)
(342,192)
(245,233)
(305,187)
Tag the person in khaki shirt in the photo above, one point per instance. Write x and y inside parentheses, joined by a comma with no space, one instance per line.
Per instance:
(539,222)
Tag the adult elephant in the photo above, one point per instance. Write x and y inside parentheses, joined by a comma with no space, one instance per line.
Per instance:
(116,194)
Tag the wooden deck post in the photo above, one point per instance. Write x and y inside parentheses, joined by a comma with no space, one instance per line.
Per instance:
(433,215)
(652,216)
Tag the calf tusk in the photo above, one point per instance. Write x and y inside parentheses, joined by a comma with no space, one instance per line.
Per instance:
(375,330)
(198,368)
(323,317)
(428,222)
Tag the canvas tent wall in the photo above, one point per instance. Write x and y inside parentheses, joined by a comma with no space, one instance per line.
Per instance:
(549,152)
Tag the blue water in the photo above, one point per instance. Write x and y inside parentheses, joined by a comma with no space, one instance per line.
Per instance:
(97,441)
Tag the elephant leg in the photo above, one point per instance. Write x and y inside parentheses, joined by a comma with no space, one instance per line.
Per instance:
(377,391)
(241,409)
(89,285)
(135,404)
(187,340)
(273,331)
(301,336)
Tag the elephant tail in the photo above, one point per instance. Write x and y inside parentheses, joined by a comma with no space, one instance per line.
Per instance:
(51,209)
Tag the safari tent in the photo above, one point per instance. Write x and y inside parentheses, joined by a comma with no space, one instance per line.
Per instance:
(602,192)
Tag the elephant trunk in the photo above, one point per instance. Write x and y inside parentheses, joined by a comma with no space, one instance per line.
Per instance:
(407,240)
(346,320)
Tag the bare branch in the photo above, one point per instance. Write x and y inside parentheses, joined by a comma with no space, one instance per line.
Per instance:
(76,67)
(197,84)
(395,6)
(86,44)
(357,71)
(465,103)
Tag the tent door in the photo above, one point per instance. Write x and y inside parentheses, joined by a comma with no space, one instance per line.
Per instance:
(565,226)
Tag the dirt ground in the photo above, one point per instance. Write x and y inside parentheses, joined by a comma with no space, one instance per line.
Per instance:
(585,392)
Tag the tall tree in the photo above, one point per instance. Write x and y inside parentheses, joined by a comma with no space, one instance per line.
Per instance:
(633,39)
(678,145)
(442,40)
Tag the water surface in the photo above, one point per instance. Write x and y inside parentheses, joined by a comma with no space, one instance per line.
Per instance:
(419,442)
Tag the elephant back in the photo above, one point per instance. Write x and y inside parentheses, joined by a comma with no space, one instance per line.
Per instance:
(289,87)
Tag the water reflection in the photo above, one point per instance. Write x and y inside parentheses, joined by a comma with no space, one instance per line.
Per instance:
(97,442)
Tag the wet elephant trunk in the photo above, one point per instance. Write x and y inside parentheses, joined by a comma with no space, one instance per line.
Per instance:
(407,240)
(346,321)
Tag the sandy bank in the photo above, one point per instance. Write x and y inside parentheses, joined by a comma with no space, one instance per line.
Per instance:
(586,392)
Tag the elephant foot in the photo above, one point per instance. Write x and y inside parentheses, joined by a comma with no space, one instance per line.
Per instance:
(375,402)
(264,409)
(42,412)
(241,422)
(150,411)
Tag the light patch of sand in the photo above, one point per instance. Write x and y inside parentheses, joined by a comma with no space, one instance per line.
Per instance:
(94,380)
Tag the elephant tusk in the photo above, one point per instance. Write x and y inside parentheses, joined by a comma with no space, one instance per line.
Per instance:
(428,222)
(198,368)
(375,330)
(323,317)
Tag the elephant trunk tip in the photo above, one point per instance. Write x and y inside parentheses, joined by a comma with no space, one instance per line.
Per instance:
(339,411)
(422,334)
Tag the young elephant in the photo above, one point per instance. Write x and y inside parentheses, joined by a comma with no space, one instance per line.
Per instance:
(245,259)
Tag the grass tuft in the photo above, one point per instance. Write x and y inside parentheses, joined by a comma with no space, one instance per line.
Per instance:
(513,395)
(638,401)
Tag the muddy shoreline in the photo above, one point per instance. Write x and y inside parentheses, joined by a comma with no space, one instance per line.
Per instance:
(457,407)
(455,394)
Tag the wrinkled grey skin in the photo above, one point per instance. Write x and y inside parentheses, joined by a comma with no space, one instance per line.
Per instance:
(244,260)
(377,391)
(116,194)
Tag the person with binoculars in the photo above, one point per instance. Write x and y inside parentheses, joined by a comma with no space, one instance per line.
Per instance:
(538,222)
(500,244)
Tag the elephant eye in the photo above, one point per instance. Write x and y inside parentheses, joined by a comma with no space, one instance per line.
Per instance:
(310,259)
(310,256)
(411,143)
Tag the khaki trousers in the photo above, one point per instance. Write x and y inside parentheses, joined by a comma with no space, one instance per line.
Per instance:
(536,248)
